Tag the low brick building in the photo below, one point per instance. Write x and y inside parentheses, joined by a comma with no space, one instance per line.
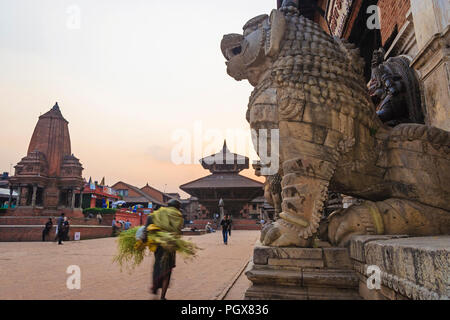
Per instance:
(140,196)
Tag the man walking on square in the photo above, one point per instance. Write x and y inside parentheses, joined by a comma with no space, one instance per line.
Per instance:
(47,228)
(171,220)
(60,231)
(226,225)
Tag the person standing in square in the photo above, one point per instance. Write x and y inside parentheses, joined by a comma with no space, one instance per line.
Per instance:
(226,225)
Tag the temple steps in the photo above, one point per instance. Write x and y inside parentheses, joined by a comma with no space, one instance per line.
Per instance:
(238,224)
(29,228)
(42,220)
(11,233)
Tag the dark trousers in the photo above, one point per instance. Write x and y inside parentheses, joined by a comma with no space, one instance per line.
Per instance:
(225,236)
(60,236)
(45,233)
(165,261)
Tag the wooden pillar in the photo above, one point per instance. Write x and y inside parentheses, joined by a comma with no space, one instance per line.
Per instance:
(19,196)
(33,197)
(81,199)
(10,196)
(72,204)
(93,202)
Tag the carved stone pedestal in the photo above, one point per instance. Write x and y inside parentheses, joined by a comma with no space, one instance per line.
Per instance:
(410,268)
(301,274)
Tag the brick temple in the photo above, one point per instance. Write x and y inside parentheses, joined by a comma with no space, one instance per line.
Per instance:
(48,182)
(49,177)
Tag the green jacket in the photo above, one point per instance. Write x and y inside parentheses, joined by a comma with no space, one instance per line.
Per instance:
(168,219)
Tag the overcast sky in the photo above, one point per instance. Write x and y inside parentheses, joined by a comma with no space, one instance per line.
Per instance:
(126,74)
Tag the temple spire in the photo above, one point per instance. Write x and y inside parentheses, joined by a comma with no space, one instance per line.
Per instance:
(225,147)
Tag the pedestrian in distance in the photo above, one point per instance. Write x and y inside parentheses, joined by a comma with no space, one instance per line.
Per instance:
(47,228)
(114,227)
(209,228)
(60,229)
(99,218)
(66,229)
(226,224)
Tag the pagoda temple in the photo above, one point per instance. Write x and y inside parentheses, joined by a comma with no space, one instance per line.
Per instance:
(49,178)
(225,183)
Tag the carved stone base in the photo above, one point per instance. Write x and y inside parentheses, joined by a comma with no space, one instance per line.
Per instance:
(411,268)
(44,212)
(301,274)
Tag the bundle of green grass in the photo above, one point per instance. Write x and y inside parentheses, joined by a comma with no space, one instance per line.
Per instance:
(132,249)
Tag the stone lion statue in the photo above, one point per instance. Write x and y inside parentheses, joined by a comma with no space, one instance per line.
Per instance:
(309,85)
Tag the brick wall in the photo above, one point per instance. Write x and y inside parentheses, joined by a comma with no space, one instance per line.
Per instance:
(393,13)
(134,218)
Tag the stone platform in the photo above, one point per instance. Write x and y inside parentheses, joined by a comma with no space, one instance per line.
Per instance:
(16,225)
(238,224)
(301,274)
(189,232)
(416,268)
(411,268)
(39,211)
(12,233)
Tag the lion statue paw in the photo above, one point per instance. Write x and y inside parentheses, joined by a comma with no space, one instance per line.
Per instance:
(277,234)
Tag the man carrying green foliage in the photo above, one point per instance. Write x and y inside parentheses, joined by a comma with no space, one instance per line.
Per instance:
(171,220)
(161,235)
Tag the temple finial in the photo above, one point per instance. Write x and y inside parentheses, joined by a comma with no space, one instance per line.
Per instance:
(225,147)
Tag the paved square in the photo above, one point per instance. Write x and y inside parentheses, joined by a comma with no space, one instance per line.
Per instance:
(37,270)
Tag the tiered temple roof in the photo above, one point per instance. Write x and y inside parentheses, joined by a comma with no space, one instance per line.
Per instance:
(224,182)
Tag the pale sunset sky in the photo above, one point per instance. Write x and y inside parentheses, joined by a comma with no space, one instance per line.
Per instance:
(126,74)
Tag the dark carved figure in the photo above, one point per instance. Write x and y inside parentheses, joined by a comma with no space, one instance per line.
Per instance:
(395,90)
